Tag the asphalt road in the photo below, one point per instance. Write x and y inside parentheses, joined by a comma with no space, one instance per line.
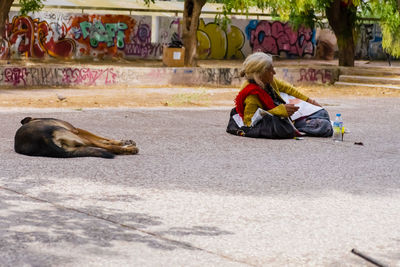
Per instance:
(197,196)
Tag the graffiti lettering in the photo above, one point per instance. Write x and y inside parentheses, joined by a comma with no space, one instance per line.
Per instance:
(278,38)
(34,38)
(102,33)
(142,45)
(311,75)
(225,76)
(15,75)
(86,76)
(216,43)
(143,50)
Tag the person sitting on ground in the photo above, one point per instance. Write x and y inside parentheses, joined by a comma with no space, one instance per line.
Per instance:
(262,92)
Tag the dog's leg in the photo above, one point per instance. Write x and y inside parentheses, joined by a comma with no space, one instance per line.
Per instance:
(115,149)
(90,139)
(73,145)
(90,136)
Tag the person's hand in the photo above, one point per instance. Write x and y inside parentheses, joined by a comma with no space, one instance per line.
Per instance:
(312,101)
(290,109)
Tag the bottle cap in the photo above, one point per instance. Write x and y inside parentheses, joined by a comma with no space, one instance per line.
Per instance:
(338,114)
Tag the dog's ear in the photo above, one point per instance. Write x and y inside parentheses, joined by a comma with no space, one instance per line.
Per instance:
(26,120)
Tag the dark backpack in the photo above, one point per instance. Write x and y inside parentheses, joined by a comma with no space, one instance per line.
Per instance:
(270,126)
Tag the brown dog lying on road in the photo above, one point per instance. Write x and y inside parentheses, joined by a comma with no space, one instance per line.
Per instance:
(56,138)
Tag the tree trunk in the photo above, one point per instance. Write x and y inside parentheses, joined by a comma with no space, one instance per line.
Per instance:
(191,15)
(342,19)
(5,6)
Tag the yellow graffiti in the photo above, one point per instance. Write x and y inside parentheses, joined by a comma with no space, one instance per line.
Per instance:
(203,45)
(215,43)
(235,43)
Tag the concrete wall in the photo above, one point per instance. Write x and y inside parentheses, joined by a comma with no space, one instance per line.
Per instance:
(14,76)
(95,36)
(243,37)
(78,36)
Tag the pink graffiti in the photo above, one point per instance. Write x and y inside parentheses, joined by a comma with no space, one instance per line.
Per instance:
(144,50)
(86,76)
(141,45)
(276,37)
(15,75)
(311,75)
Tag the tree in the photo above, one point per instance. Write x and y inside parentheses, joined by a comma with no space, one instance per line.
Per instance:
(191,16)
(26,6)
(5,6)
(190,23)
(343,17)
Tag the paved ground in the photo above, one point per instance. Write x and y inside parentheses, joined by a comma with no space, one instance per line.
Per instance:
(197,196)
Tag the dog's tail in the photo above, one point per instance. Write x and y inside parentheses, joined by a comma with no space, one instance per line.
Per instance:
(90,152)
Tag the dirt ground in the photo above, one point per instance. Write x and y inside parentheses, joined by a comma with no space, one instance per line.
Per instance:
(160,97)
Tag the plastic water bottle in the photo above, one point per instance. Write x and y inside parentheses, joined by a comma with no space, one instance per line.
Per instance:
(338,128)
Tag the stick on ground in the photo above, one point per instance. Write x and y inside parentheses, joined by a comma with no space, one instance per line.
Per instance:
(368,258)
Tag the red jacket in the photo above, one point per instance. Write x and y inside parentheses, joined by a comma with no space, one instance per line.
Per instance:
(253,89)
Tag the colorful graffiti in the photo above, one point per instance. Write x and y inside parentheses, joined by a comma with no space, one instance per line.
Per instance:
(278,38)
(92,36)
(141,45)
(216,43)
(102,35)
(66,35)
(34,38)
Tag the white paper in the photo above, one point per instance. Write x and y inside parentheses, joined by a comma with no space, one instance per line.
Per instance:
(258,115)
(238,120)
(177,55)
(305,108)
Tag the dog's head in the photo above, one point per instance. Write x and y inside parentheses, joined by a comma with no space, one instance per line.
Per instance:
(26,120)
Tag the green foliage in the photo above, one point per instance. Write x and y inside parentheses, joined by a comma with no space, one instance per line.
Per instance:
(388,13)
(298,12)
(30,6)
(148,2)
(311,12)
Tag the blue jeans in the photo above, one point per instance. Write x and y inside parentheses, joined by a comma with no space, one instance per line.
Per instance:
(316,124)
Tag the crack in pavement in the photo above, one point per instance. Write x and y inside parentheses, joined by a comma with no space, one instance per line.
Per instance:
(180,243)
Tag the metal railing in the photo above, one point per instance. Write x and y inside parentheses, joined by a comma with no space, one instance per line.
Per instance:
(158,10)
(149,10)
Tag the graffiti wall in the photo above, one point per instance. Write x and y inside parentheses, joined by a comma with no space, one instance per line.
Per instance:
(369,42)
(92,36)
(53,75)
(242,37)
(77,36)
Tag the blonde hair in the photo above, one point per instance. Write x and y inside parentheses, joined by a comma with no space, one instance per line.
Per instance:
(254,65)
